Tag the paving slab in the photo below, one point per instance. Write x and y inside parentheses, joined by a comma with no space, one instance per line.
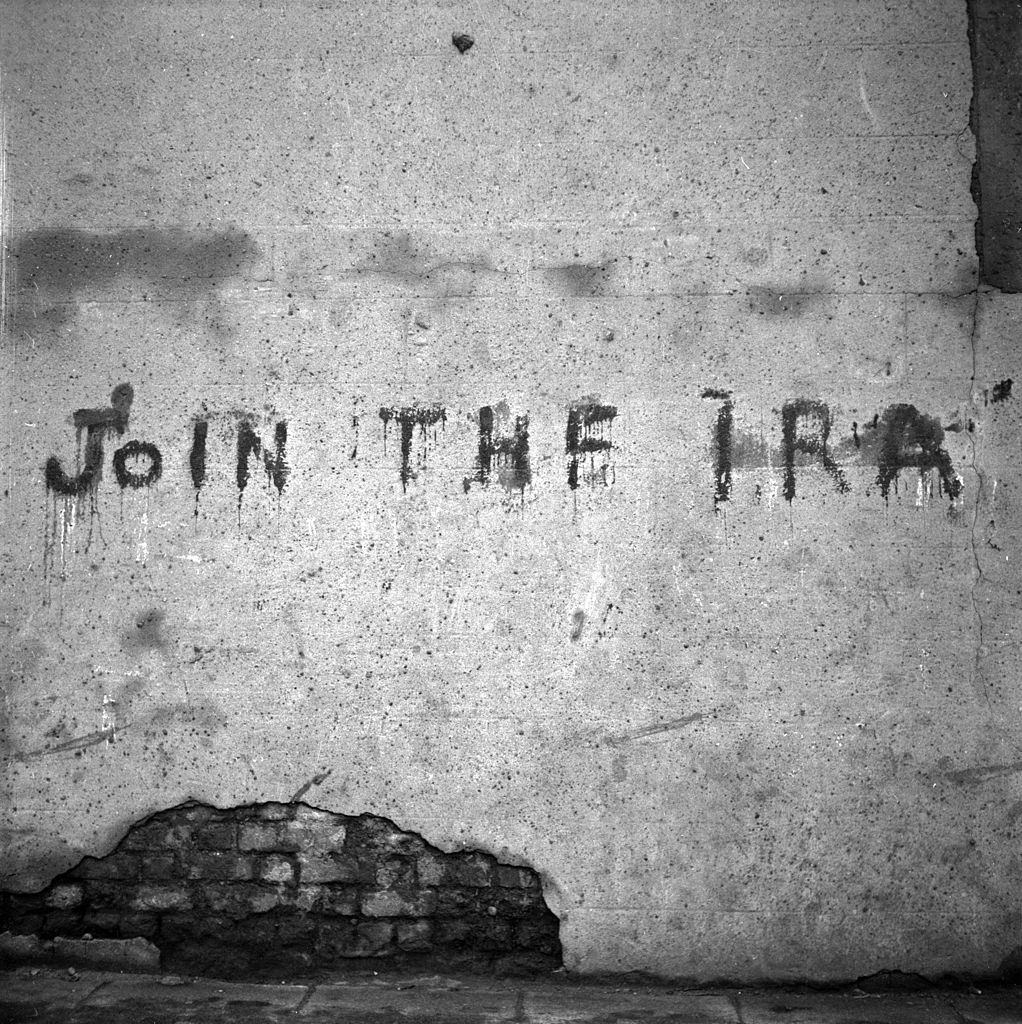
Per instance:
(845,1008)
(989,1007)
(439,1000)
(55,996)
(569,1004)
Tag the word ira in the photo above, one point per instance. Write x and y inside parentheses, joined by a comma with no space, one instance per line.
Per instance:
(900,438)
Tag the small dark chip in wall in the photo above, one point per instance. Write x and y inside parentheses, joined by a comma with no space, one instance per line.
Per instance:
(463,42)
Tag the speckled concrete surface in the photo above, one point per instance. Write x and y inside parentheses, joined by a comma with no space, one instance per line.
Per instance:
(752,712)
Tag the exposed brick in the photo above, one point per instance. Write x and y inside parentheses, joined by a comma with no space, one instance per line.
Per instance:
(216,836)
(104,922)
(63,922)
(159,835)
(339,899)
(275,812)
(388,903)
(277,869)
(108,894)
(26,924)
(64,897)
(373,938)
(158,867)
(120,865)
(233,900)
(517,878)
(431,870)
(188,927)
(540,936)
(265,837)
(314,835)
(314,816)
(491,933)
(395,871)
(474,869)
(219,866)
(304,898)
(335,938)
(263,900)
(162,897)
(294,930)
(325,868)
(131,925)
(452,931)
(194,814)
(454,902)
(414,936)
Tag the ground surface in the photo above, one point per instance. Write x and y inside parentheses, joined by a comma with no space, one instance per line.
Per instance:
(49,996)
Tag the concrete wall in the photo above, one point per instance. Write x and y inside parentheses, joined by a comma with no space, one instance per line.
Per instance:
(746,695)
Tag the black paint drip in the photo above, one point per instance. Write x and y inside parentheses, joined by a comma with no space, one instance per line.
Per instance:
(97,425)
(586,423)
(722,443)
(512,453)
(275,465)
(911,439)
(792,441)
(197,458)
(408,419)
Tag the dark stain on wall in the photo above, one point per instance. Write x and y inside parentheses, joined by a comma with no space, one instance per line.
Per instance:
(55,267)
(766,300)
(1000,392)
(397,257)
(995,39)
(578,621)
(581,280)
(407,419)
(588,432)
(146,632)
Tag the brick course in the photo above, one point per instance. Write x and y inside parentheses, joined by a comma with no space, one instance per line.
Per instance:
(285,887)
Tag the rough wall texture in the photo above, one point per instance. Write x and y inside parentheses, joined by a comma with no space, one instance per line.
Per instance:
(588,446)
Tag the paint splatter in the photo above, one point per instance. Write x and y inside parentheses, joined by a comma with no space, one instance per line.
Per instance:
(1000,392)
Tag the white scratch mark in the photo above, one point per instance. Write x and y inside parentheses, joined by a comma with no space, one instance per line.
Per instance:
(865,99)
(142,537)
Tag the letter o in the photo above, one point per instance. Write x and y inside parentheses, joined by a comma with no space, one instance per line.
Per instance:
(138,449)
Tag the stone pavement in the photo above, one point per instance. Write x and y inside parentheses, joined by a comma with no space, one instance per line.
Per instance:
(62,996)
